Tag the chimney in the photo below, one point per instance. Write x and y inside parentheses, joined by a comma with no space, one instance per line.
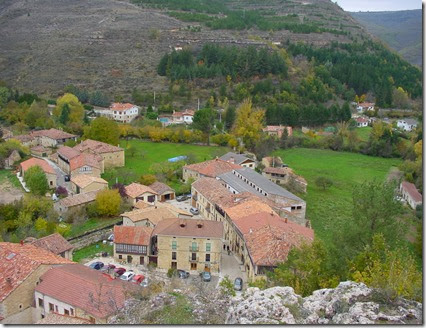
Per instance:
(9,280)
(232,160)
(199,224)
(182,224)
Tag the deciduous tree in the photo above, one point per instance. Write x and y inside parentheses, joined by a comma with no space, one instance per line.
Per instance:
(249,123)
(108,202)
(104,130)
(36,180)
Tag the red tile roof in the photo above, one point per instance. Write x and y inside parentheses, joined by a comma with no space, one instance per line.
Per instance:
(18,261)
(96,147)
(154,214)
(37,162)
(189,228)
(54,243)
(278,170)
(187,112)
(84,160)
(53,134)
(132,235)
(121,107)
(160,188)
(213,168)
(79,199)
(68,152)
(412,191)
(134,190)
(83,180)
(84,288)
(361,120)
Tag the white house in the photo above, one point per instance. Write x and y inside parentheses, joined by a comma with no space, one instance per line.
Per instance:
(362,107)
(123,112)
(186,116)
(407,124)
(361,122)
(410,193)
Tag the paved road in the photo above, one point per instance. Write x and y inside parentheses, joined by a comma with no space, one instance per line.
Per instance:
(60,176)
(186,206)
(231,268)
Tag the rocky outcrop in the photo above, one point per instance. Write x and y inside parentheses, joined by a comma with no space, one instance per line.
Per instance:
(348,303)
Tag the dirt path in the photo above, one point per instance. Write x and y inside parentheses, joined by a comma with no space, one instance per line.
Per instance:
(9,193)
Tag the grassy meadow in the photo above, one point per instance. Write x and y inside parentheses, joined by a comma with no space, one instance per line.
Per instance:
(324,207)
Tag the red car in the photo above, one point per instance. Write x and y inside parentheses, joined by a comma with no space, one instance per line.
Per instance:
(111,266)
(138,279)
(119,271)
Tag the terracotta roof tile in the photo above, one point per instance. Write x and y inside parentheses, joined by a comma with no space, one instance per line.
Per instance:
(121,106)
(96,147)
(212,168)
(37,162)
(132,235)
(248,207)
(134,190)
(153,213)
(83,180)
(412,191)
(84,160)
(160,188)
(53,134)
(79,199)
(82,287)
(68,152)
(54,243)
(189,228)
(18,261)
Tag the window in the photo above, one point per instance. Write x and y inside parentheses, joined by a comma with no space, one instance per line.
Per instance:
(207,257)
(56,308)
(72,311)
(194,246)
(173,255)
(51,308)
(208,247)
(40,302)
(66,312)
(120,257)
(193,256)
(174,244)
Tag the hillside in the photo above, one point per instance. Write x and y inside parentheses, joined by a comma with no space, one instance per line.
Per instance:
(115,46)
(401,30)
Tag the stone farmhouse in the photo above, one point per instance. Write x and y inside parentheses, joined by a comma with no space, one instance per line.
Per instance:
(54,243)
(47,169)
(285,175)
(239,159)
(113,156)
(211,168)
(410,194)
(187,244)
(78,291)
(10,161)
(21,266)
(45,138)
(365,106)
(131,244)
(75,202)
(138,192)
(277,130)
(83,183)
(147,217)
(74,163)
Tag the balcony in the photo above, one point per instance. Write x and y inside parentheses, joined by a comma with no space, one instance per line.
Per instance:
(194,249)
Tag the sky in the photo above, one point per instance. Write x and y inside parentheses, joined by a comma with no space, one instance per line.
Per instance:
(379,5)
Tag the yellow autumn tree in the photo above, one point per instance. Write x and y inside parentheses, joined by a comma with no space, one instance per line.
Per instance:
(69,102)
(249,123)
(108,202)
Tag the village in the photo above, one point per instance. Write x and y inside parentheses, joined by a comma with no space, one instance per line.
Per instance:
(237,223)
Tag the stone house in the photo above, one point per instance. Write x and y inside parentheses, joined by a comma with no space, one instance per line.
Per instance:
(26,140)
(56,244)
(211,168)
(272,161)
(277,130)
(73,163)
(52,137)
(21,266)
(176,211)
(112,156)
(83,183)
(47,169)
(131,244)
(40,151)
(138,192)
(147,217)
(187,244)
(285,175)
(12,159)
(75,202)
(79,291)
(163,191)
(239,159)
(410,194)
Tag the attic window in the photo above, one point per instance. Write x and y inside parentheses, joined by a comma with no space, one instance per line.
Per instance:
(10,256)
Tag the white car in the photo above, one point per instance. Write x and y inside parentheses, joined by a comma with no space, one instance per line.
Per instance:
(127,276)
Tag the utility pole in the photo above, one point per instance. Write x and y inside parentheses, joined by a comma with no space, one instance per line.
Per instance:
(198,106)
(154,99)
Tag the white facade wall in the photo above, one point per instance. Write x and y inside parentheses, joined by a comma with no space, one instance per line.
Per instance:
(58,306)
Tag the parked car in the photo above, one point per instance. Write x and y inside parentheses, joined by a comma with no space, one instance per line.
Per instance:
(127,276)
(206,276)
(181,198)
(238,284)
(194,210)
(182,274)
(67,178)
(119,271)
(138,278)
(144,283)
(96,265)
(111,266)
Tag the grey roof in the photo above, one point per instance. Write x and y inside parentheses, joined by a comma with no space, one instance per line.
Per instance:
(410,121)
(259,180)
(238,158)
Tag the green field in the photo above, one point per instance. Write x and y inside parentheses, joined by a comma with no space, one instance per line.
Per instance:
(148,153)
(325,207)
(364,133)
(91,251)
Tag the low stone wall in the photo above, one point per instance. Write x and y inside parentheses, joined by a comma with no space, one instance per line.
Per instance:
(91,237)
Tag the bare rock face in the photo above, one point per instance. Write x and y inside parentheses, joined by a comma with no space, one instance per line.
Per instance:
(348,303)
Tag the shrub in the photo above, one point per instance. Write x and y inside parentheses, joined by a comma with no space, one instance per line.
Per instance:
(323,182)
(227,287)
(171,272)
(61,192)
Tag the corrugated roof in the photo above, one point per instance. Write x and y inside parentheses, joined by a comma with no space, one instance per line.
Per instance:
(189,228)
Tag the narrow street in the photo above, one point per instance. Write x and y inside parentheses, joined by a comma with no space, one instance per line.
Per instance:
(60,176)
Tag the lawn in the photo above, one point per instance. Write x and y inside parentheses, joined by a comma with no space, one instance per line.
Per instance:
(364,133)
(92,224)
(11,176)
(91,251)
(325,207)
(148,153)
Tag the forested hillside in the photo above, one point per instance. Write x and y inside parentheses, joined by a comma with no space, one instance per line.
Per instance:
(401,30)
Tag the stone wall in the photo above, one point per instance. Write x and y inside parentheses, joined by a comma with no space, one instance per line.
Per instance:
(91,237)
